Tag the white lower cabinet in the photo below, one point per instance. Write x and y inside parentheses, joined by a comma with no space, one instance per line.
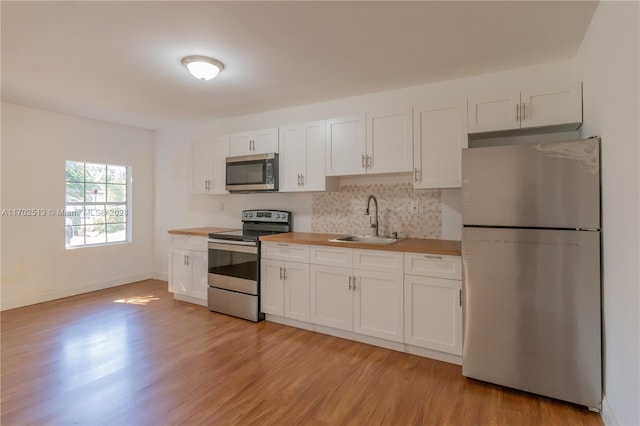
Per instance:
(366,301)
(284,280)
(433,313)
(433,302)
(188,268)
(378,304)
(331,296)
(284,289)
(410,301)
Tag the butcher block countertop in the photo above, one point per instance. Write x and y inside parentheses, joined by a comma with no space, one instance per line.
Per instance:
(412,245)
(199,232)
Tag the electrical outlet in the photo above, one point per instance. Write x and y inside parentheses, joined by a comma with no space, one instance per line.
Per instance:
(414,208)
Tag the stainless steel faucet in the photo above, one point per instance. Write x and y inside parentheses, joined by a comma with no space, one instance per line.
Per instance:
(366,212)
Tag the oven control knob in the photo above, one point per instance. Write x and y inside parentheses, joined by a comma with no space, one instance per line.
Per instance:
(277,215)
(250,214)
(245,215)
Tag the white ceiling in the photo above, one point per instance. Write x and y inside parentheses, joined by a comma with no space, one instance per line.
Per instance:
(120,61)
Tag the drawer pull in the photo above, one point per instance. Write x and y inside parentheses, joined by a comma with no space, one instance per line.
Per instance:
(430,256)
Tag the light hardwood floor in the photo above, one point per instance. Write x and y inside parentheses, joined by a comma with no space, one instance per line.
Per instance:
(132,355)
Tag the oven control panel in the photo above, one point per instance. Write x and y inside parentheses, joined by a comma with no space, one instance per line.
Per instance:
(277,216)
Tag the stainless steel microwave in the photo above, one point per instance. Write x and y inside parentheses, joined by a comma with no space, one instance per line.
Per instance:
(252,173)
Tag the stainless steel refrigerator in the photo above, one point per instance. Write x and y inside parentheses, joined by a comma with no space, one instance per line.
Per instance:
(531,261)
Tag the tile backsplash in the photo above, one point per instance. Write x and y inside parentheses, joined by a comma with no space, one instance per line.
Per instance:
(343,212)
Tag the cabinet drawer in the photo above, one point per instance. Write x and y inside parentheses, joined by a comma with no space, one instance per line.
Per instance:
(188,242)
(433,265)
(376,260)
(287,252)
(331,256)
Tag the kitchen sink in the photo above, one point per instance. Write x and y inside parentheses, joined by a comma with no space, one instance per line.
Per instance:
(365,239)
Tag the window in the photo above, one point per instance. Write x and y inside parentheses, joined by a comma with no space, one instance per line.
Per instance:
(97,204)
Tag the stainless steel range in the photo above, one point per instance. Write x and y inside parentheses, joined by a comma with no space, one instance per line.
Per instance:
(234,263)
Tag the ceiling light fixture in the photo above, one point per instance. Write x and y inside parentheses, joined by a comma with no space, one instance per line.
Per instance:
(202,67)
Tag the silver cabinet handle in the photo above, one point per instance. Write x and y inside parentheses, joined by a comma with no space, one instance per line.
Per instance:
(363,165)
(354,283)
(187,260)
(281,272)
(184,260)
(369,158)
(302,180)
(524,111)
(415,175)
(349,282)
(429,256)
(284,273)
(517,112)
(460,297)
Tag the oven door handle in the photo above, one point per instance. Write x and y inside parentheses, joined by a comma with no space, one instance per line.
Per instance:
(236,243)
(239,246)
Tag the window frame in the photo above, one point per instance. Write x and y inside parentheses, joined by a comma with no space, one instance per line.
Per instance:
(95,206)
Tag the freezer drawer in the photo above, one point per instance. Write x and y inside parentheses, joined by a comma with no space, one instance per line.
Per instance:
(532,311)
(547,185)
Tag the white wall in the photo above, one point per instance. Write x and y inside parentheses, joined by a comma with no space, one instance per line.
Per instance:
(176,208)
(35,264)
(608,60)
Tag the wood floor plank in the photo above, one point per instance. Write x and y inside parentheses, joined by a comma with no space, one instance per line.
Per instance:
(132,355)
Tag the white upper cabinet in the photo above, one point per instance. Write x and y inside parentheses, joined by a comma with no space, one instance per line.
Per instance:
(495,111)
(254,142)
(536,105)
(302,157)
(371,143)
(346,146)
(208,166)
(551,105)
(389,144)
(440,133)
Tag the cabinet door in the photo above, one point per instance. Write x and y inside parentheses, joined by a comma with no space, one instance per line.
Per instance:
(378,304)
(265,141)
(550,105)
(197,270)
(440,133)
(179,277)
(389,142)
(433,314)
(241,143)
(271,287)
(496,111)
(331,299)
(202,166)
(292,158)
(314,177)
(346,146)
(296,294)
(220,151)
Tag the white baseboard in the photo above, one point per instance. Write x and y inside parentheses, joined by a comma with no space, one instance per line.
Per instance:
(162,276)
(608,417)
(59,293)
(194,300)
